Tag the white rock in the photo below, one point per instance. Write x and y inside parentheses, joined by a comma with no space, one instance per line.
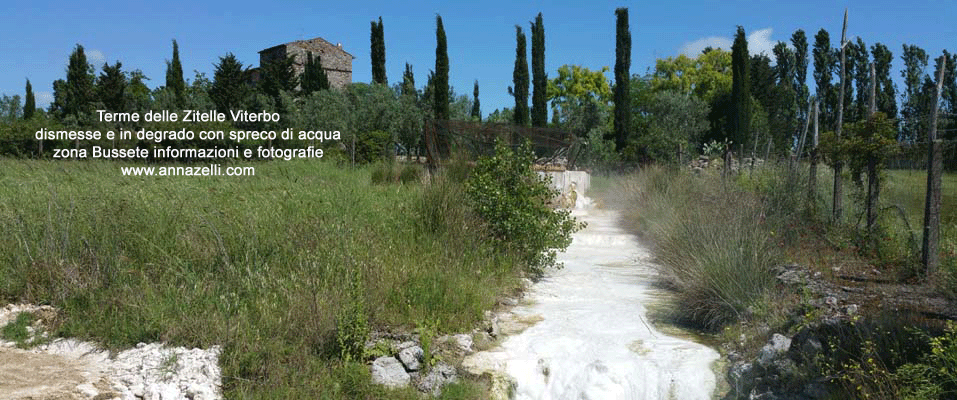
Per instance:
(389,371)
(412,358)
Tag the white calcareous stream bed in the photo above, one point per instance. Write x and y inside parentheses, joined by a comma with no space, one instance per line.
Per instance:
(594,339)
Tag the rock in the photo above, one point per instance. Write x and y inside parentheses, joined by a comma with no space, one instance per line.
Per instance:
(851,309)
(441,374)
(481,341)
(200,392)
(741,378)
(389,371)
(412,357)
(778,345)
(464,342)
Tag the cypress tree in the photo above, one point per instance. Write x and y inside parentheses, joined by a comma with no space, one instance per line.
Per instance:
(441,80)
(378,53)
(539,79)
(622,79)
(78,96)
(313,77)
(520,80)
(408,81)
(229,90)
(30,104)
(111,87)
(174,75)
(476,107)
(740,89)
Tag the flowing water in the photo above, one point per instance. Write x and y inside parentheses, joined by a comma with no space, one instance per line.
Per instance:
(594,340)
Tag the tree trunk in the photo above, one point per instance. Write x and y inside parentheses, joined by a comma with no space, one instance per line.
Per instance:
(929,246)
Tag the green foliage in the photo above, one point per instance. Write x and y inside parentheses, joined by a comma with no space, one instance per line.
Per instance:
(372,146)
(278,76)
(674,119)
(408,82)
(622,79)
(520,80)
(111,88)
(440,100)
(740,90)
(74,97)
(886,88)
(539,79)
(705,76)
(511,198)
(352,321)
(313,76)
(873,138)
(16,331)
(476,112)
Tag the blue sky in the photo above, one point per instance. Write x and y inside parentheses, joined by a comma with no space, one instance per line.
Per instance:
(481,35)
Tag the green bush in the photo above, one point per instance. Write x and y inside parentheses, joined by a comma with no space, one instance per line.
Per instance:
(512,198)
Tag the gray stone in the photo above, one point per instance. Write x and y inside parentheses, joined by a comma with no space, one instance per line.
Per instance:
(389,371)
(778,345)
(441,374)
(741,378)
(412,357)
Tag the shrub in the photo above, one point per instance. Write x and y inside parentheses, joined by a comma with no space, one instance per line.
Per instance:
(512,198)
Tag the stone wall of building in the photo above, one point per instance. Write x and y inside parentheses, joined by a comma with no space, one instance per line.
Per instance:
(335,61)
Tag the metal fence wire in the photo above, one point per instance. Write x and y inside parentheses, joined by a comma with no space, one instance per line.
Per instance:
(471,140)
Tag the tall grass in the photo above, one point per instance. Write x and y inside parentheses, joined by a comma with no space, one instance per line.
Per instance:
(266,266)
(711,240)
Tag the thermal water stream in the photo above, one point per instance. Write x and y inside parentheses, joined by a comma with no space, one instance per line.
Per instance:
(594,340)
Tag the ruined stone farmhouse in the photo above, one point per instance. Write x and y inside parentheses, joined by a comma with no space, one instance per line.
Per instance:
(335,61)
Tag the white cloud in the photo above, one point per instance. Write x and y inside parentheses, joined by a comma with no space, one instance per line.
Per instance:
(95,57)
(43,99)
(758,42)
(696,47)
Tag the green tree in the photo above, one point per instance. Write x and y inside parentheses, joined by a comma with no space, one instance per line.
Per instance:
(476,106)
(138,96)
(539,78)
(886,88)
(408,82)
(278,76)
(520,80)
(74,97)
(30,103)
(580,97)
(862,76)
(948,125)
(174,75)
(801,91)
(762,79)
(378,53)
(622,79)
(823,67)
(440,100)
(783,112)
(705,76)
(111,87)
(229,90)
(740,89)
(912,114)
(313,77)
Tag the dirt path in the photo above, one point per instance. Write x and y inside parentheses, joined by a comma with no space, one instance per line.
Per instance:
(29,375)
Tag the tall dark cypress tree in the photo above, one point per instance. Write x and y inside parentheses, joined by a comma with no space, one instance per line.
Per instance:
(622,78)
(111,87)
(30,103)
(378,53)
(441,80)
(539,79)
(78,88)
(174,76)
(476,107)
(520,80)
(230,88)
(740,89)
(313,77)
(408,81)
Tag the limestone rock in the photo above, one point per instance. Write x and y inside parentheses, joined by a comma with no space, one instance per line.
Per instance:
(389,371)
(412,357)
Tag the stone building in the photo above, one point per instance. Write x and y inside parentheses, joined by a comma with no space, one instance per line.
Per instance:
(335,61)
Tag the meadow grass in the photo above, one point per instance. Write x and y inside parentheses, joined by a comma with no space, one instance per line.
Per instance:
(262,265)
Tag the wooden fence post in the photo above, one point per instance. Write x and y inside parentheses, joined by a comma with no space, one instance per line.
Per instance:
(930,244)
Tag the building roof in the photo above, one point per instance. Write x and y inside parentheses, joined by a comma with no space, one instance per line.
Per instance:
(315,44)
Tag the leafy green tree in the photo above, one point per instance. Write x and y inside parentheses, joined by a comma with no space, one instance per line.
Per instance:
(948,125)
(10,108)
(862,76)
(440,100)
(174,75)
(138,95)
(912,114)
(30,104)
(278,76)
(408,82)
(801,91)
(378,53)
(74,96)
(580,98)
(520,80)
(502,116)
(539,79)
(740,89)
(622,79)
(229,90)
(705,76)
(111,87)
(313,76)
(886,88)
(476,106)
(762,79)
(782,110)
(674,119)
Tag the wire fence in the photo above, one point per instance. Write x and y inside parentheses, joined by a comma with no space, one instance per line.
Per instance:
(471,140)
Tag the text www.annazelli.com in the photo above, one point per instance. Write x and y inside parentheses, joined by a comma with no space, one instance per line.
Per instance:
(209,170)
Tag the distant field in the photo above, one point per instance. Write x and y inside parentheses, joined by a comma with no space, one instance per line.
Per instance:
(907,188)
(263,265)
